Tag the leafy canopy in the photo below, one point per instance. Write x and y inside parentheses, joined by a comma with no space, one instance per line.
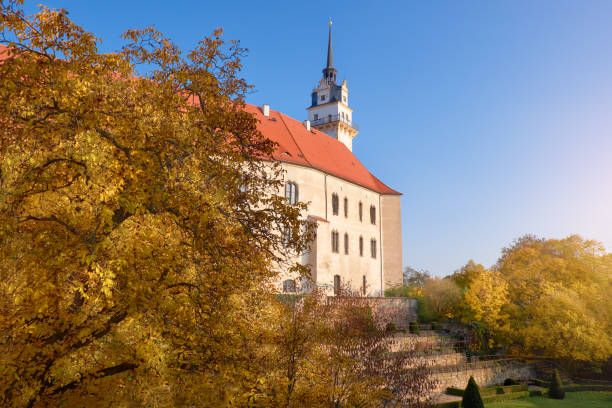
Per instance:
(548,298)
(139,221)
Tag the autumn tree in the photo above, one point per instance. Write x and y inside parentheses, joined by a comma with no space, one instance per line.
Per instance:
(139,219)
(548,298)
(467,274)
(335,352)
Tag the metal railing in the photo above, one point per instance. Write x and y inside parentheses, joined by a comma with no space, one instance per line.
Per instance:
(334,118)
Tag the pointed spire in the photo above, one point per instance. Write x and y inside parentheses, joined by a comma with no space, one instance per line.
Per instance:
(330,54)
(329,72)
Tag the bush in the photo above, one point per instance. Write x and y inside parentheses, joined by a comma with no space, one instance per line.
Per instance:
(391,327)
(556,387)
(471,396)
(511,381)
(413,327)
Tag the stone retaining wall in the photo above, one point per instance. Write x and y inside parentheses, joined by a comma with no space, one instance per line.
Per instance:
(485,375)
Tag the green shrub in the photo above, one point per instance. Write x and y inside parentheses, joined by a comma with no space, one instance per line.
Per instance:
(508,389)
(471,396)
(506,397)
(540,383)
(490,391)
(449,404)
(455,391)
(413,327)
(511,381)
(587,387)
(556,387)
(391,327)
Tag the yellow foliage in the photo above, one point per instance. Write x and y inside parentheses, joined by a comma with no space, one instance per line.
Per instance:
(138,220)
(548,297)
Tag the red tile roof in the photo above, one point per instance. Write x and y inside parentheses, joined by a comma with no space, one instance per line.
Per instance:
(317,218)
(315,149)
(312,148)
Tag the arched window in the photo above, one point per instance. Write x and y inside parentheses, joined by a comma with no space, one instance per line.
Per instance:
(360,211)
(289,286)
(345,207)
(337,283)
(335,237)
(373,247)
(373,214)
(291,192)
(360,246)
(335,204)
(346,244)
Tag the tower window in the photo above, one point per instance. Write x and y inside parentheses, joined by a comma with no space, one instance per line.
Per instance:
(335,204)
(289,286)
(373,214)
(291,192)
(316,116)
(373,248)
(360,246)
(336,285)
(345,207)
(322,98)
(335,237)
(360,211)
(346,244)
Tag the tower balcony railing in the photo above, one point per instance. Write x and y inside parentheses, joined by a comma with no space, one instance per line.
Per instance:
(334,118)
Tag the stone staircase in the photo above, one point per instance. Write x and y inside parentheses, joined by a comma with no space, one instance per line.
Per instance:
(449,364)
(543,370)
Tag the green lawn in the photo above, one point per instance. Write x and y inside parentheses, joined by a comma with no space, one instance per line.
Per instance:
(583,399)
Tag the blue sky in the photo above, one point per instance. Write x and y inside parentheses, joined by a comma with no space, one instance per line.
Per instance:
(494,119)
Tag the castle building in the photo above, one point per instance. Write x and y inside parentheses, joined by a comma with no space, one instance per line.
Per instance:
(358,238)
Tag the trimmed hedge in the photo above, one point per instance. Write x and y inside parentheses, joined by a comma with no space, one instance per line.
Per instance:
(520,394)
(508,389)
(540,383)
(506,397)
(587,387)
(487,400)
(556,387)
(471,395)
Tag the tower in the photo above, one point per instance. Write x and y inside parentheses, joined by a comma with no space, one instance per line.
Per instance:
(329,111)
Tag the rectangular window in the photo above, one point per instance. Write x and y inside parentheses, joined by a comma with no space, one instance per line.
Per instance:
(364,286)
(336,285)
(291,192)
(360,211)
(360,246)
(335,244)
(322,97)
(335,204)
(316,116)
(346,244)
(373,248)
(373,214)
(345,207)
